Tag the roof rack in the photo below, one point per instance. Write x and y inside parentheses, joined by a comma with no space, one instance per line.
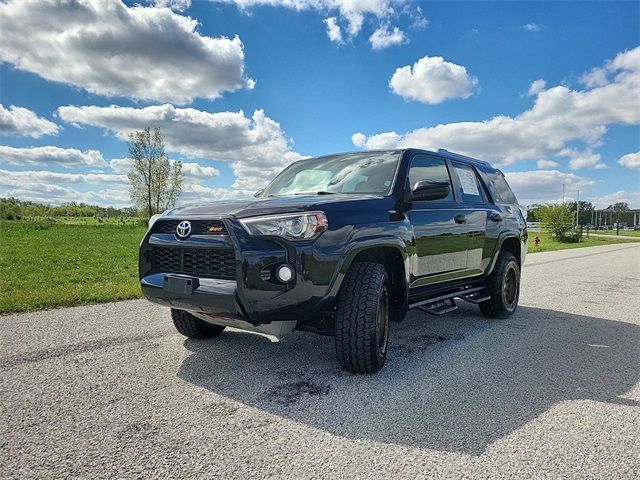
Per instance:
(457,156)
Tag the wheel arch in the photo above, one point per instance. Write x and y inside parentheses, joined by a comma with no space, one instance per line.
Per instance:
(394,259)
(511,243)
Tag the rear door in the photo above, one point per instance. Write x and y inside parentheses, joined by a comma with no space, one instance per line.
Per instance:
(440,234)
(477,212)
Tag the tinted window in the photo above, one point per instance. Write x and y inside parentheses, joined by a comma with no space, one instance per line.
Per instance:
(426,168)
(470,187)
(499,188)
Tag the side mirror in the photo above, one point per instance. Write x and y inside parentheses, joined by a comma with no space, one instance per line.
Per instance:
(430,190)
(258,193)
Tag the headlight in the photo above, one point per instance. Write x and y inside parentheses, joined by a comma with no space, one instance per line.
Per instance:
(153,219)
(292,226)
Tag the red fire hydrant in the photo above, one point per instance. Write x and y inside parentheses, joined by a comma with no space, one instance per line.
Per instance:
(536,240)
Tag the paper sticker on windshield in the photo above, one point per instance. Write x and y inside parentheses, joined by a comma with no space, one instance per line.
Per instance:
(468,181)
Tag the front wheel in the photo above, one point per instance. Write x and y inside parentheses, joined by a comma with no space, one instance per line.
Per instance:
(503,286)
(193,327)
(362,318)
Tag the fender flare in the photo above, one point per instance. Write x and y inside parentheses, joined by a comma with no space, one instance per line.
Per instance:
(357,247)
(494,257)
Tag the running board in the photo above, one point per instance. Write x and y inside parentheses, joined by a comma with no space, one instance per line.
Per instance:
(439,308)
(445,303)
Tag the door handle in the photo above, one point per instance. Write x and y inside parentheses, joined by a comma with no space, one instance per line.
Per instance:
(460,218)
(495,217)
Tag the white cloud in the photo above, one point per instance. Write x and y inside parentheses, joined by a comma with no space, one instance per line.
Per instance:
(532,27)
(256,147)
(175,5)
(348,16)
(432,80)
(50,156)
(582,159)
(359,139)
(384,37)
(191,170)
(559,115)
(630,160)
(114,50)
(540,186)
(604,201)
(21,121)
(546,164)
(333,30)
(537,86)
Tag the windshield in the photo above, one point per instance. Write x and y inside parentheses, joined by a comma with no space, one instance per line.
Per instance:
(366,172)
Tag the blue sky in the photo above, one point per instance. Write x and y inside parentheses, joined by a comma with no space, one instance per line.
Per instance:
(548,91)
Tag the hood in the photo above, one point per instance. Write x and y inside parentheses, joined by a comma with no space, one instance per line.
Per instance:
(265,205)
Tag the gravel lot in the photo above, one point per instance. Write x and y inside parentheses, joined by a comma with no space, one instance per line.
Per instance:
(111,391)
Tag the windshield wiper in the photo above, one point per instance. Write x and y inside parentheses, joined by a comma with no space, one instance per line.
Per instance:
(321,192)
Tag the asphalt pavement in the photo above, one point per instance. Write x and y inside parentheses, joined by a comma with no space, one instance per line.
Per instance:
(112,391)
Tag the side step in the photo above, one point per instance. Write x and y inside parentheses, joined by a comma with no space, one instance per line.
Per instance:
(476,297)
(439,308)
(445,303)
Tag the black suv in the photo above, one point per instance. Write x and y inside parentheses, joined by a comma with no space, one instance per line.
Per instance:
(342,245)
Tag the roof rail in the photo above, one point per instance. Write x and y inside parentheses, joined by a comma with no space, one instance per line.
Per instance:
(458,156)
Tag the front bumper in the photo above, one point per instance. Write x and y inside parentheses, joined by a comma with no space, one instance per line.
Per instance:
(254,295)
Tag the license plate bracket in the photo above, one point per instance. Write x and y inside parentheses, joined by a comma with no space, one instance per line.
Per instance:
(180,285)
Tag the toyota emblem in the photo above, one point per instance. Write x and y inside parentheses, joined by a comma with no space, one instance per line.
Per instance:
(183,230)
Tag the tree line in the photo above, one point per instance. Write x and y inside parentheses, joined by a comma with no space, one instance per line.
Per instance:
(16,209)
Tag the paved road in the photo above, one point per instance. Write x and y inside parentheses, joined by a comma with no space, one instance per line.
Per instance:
(111,391)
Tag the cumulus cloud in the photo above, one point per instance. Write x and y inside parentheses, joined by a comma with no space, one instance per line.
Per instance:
(384,37)
(559,115)
(604,201)
(630,160)
(432,80)
(539,186)
(110,49)
(191,170)
(255,146)
(50,156)
(175,5)
(333,30)
(537,86)
(347,17)
(582,159)
(546,164)
(22,121)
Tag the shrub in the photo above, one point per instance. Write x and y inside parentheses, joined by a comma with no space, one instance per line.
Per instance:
(557,218)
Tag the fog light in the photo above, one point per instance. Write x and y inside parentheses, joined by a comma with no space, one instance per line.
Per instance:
(284,273)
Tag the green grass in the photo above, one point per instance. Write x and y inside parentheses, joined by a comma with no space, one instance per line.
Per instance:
(548,243)
(46,265)
(65,265)
(626,233)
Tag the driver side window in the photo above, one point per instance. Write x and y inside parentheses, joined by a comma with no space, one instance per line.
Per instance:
(426,168)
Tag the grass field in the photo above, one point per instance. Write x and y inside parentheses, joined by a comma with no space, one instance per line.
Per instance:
(65,265)
(548,243)
(62,264)
(626,233)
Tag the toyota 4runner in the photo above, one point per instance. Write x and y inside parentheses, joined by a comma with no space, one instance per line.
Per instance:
(342,245)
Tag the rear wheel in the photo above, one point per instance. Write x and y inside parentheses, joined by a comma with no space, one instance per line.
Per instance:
(362,318)
(193,327)
(504,287)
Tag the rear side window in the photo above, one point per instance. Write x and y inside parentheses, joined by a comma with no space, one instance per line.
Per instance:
(470,187)
(426,168)
(499,188)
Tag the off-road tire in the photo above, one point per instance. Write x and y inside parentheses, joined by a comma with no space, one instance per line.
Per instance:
(503,301)
(362,318)
(193,327)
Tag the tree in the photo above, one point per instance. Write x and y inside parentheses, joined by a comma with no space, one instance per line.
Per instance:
(155,183)
(557,218)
